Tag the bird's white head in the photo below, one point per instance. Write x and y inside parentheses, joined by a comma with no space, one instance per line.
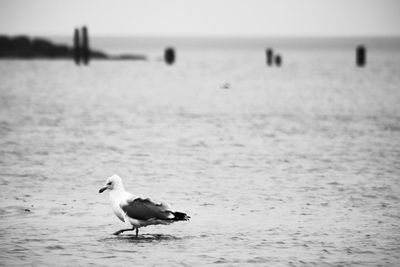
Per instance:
(112,183)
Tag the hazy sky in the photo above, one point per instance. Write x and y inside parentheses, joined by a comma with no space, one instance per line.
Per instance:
(203,17)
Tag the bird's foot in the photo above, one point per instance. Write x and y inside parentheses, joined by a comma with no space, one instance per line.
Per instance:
(124,230)
(118,232)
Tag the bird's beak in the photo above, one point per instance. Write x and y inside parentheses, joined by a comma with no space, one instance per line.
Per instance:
(102,189)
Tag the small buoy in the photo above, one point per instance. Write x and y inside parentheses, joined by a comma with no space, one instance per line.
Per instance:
(225,86)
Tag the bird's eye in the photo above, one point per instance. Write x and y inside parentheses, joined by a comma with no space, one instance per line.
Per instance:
(109,183)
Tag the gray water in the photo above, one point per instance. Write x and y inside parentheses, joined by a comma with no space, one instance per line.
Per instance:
(290,166)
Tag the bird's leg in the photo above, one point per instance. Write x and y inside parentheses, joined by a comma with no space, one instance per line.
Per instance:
(124,230)
(137,232)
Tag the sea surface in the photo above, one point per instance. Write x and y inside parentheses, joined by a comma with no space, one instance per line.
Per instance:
(291,166)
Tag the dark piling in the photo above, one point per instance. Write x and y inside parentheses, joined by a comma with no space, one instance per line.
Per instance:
(85,46)
(361,56)
(278,60)
(269,54)
(77,47)
(169,55)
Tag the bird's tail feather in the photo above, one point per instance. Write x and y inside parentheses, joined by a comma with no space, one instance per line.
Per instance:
(180,216)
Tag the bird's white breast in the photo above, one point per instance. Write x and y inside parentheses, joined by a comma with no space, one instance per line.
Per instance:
(116,198)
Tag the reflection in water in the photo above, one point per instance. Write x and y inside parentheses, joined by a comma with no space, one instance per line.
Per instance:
(141,238)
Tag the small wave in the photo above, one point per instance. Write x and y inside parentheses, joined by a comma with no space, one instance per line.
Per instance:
(369,196)
(221,260)
(206,204)
(26,240)
(392,128)
(57,211)
(391,197)
(200,144)
(55,247)
(334,183)
(110,256)
(257,260)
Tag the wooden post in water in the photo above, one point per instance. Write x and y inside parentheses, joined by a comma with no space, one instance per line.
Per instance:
(77,47)
(361,56)
(85,46)
(269,54)
(169,55)
(278,60)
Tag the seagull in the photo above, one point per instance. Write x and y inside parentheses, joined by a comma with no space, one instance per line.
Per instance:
(137,211)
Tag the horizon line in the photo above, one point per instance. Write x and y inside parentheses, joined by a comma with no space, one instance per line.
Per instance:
(212,36)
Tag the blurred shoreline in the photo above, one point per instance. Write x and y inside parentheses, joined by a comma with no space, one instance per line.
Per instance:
(27,47)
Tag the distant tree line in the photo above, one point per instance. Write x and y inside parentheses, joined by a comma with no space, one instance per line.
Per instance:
(27,48)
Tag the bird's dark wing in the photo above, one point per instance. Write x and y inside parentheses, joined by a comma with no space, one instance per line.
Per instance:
(145,209)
